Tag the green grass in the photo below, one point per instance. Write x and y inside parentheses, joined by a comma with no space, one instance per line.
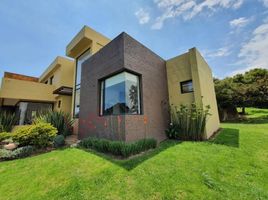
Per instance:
(232,166)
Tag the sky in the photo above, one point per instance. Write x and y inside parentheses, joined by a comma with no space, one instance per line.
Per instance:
(232,35)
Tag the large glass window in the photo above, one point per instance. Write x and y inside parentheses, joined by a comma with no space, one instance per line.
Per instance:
(79,61)
(120,94)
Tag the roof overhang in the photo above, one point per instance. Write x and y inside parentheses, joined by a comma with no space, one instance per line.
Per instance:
(68,91)
(83,41)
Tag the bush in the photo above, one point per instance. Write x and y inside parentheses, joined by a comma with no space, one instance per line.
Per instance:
(188,123)
(58,141)
(39,135)
(63,122)
(17,153)
(4,136)
(7,121)
(118,148)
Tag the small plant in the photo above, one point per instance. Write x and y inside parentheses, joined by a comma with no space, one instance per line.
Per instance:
(188,122)
(7,121)
(21,152)
(63,122)
(4,136)
(39,135)
(58,141)
(118,148)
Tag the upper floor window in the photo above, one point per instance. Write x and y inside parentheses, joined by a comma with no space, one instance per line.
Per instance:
(79,61)
(51,80)
(187,86)
(120,94)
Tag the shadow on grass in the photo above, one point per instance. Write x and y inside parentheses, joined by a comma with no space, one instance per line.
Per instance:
(253,120)
(228,137)
(136,160)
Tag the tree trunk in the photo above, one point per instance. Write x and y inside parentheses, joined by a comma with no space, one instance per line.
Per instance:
(243,110)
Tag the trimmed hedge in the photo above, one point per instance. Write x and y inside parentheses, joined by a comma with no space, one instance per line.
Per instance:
(59,141)
(118,148)
(4,136)
(38,135)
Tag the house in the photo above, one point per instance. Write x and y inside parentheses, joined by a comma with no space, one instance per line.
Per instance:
(116,89)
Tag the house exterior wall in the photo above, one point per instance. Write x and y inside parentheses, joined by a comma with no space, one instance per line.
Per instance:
(192,66)
(124,53)
(179,70)
(204,89)
(26,90)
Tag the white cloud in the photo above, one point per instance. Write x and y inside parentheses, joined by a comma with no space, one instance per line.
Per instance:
(143,16)
(221,52)
(254,52)
(239,22)
(265,3)
(188,9)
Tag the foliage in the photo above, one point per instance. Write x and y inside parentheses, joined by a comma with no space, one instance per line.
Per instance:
(118,148)
(58,141)
(174,170)
(243,90)
(188,122)
(20,152)
(7,121)
(4,136)
(39,135)
(60,120)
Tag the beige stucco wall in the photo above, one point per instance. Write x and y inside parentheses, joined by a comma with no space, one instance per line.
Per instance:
(26,90)
(204,89)
(178,70)
(192,66)
(66,103)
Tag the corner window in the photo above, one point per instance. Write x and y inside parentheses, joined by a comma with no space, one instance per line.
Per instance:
(79,61)
(187,86)
(120,94)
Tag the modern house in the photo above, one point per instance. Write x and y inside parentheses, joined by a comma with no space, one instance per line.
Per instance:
(116,89)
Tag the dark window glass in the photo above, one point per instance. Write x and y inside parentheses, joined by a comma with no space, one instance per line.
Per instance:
(59,104)
(51,80)
(80,60)
(46,82)
(187,86)
(120,94)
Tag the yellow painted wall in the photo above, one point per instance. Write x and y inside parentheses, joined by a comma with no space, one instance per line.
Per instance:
(62,70)
(204,89)
(66,103)
(192,66)
(178,70)
(26,90)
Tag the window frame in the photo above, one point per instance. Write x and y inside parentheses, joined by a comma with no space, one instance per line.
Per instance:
(185,82)
(51,80)
(101,94)
(77,86)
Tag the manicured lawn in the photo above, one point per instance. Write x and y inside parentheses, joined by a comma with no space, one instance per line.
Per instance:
(233,166)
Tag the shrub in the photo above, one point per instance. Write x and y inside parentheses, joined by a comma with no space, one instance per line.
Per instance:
(39,135)
(4,136)
(63,122)
(58,141)
(118,148)
(188,123)
(7,121)
(17,153)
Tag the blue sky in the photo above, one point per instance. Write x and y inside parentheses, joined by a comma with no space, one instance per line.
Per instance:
(231,34)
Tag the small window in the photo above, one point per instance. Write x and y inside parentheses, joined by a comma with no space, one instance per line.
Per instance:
(46,82)
(59,104)
(51,80)
(187,86)
(120,94)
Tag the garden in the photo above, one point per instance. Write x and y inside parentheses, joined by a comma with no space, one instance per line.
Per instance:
(233,165)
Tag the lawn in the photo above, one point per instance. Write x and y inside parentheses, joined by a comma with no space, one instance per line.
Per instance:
(232,166)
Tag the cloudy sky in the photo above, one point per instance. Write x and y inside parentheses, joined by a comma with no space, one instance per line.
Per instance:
(232,35)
